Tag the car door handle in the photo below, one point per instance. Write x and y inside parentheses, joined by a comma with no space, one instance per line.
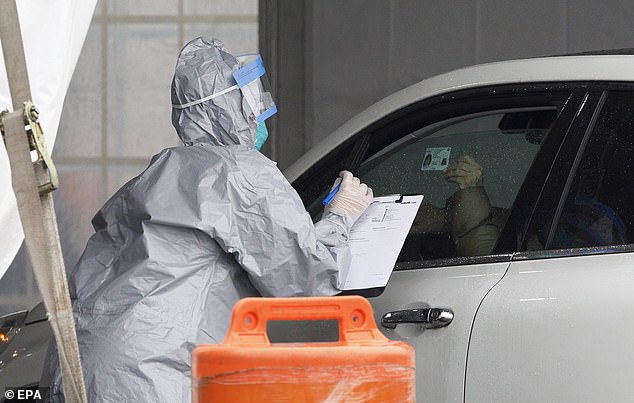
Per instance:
(430,318)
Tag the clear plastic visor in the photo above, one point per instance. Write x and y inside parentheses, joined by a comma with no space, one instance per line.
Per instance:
(252,80)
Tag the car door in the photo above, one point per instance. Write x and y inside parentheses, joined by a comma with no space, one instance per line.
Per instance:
(513,133)
(558,326)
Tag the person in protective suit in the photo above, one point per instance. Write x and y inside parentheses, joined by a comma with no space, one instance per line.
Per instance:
(204,225)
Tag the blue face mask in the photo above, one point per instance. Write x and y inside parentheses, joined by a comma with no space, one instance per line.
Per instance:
(261,134)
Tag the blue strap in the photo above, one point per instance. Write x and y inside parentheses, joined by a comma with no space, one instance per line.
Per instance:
(249,72)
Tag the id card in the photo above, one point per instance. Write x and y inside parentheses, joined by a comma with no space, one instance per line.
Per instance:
(436,159)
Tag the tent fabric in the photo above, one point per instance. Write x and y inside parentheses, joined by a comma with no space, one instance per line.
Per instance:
(53,33)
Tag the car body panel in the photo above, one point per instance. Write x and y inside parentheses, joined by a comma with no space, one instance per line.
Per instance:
(21,358)
(556,330)
(440,353)
(539,331)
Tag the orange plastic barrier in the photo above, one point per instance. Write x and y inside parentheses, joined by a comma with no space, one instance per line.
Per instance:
(363,366)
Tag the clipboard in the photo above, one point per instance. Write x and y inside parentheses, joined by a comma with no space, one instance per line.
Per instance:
(376,240)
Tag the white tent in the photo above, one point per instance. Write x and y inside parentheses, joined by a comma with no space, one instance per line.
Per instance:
(53,32)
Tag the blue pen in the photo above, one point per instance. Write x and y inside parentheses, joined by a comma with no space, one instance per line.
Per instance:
(331,195)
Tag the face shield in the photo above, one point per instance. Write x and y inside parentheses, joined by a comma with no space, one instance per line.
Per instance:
(255,87)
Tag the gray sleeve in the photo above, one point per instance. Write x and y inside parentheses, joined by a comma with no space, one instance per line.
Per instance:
(274,239)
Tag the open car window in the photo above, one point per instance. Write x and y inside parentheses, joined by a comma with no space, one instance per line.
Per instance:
(513,135)
(488,155)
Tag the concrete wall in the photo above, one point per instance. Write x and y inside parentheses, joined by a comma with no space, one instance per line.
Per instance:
(356,52)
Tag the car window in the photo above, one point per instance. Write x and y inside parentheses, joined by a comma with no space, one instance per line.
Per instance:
(599,207)
(459,217)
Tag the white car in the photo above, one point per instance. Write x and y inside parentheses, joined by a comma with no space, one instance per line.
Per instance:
(521,291)
(530,298)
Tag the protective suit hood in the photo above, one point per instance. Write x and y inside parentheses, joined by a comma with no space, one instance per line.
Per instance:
(204,67)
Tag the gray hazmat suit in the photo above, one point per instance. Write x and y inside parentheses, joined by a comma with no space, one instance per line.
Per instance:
(203,226)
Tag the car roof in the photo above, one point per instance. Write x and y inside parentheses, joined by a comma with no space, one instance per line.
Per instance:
(625,51)
(611,65)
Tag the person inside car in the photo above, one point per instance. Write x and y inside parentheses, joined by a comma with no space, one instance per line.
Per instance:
(474,225)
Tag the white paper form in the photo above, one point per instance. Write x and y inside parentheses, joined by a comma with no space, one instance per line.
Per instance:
(376,240)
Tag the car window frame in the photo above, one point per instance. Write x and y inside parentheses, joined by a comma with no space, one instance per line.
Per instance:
(566,164)
(406,120)
(543,184)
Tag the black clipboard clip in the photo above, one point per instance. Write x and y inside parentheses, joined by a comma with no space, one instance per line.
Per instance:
(399,196)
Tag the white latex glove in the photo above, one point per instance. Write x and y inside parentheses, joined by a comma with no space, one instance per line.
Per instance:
(352,198)
(466,173)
